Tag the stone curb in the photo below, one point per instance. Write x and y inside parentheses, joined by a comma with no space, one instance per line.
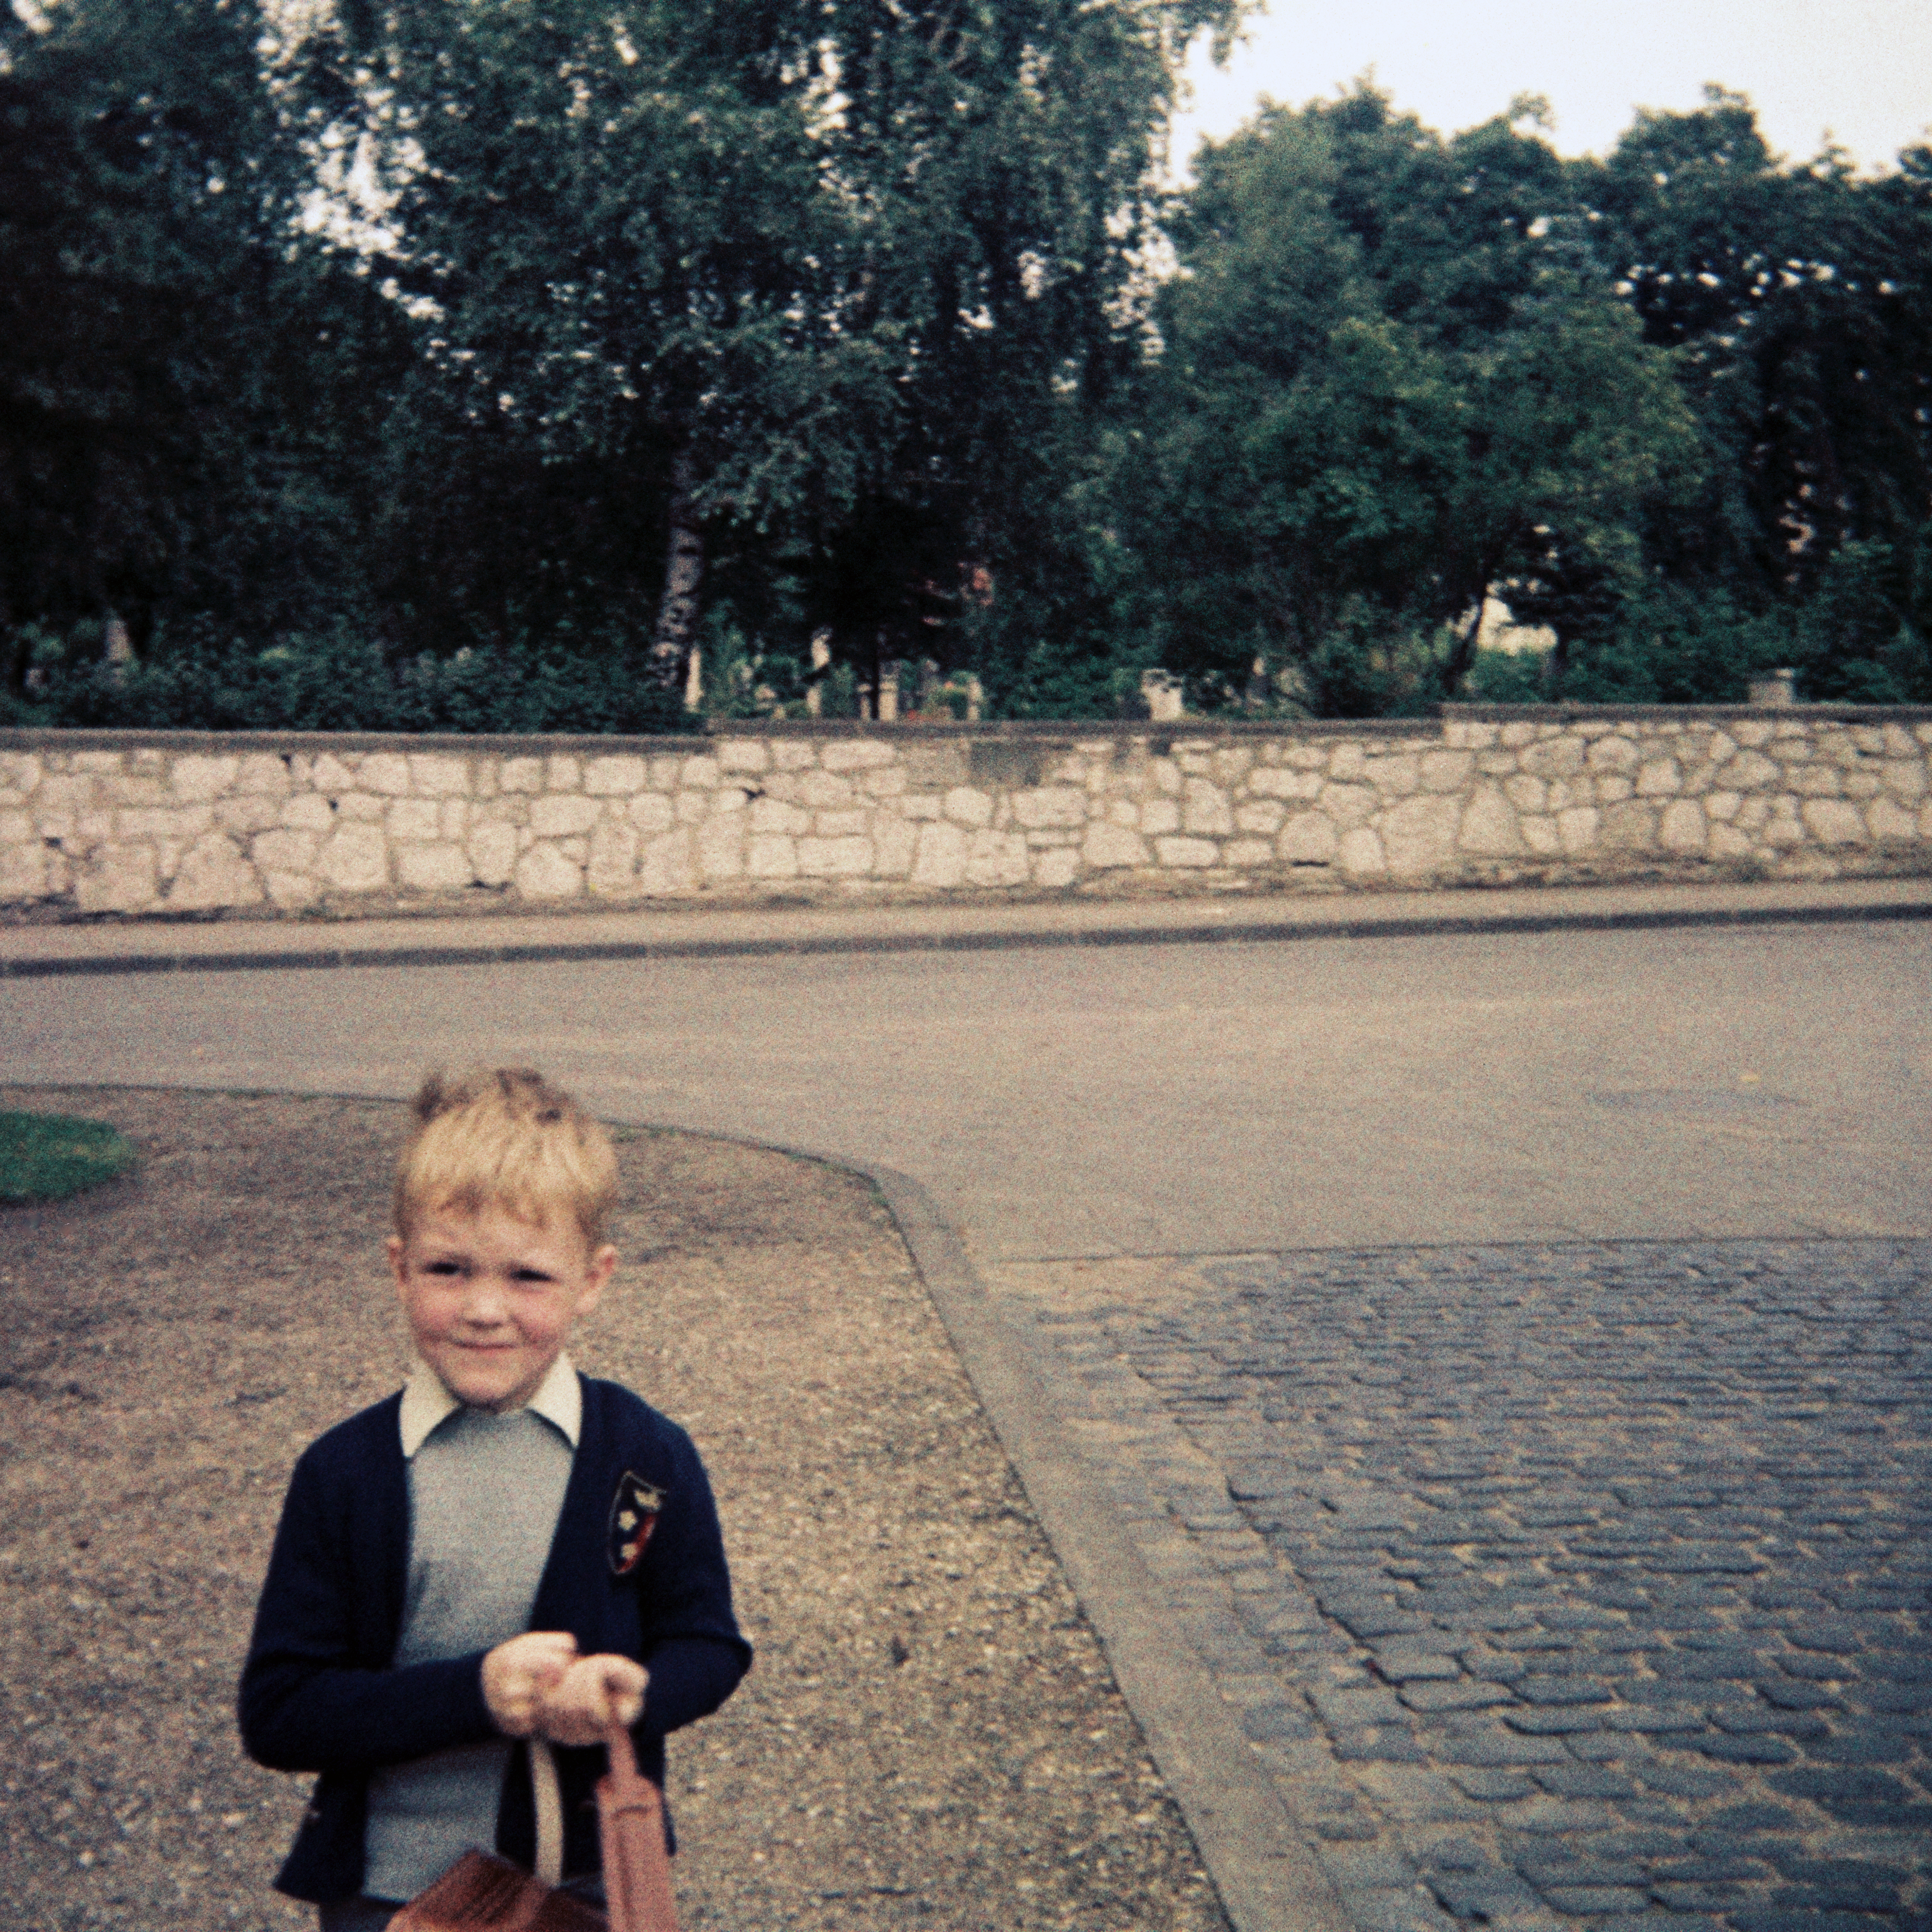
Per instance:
(1261,1861)
(1257,930)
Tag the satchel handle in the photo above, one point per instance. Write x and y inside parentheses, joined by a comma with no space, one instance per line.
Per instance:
(637,1868)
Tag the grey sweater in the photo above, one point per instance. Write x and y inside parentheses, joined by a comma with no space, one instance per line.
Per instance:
(484,1493)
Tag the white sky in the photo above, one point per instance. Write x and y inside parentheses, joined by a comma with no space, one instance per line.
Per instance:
(1863,68)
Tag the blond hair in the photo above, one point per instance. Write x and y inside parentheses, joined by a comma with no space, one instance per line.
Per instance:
(505,1137)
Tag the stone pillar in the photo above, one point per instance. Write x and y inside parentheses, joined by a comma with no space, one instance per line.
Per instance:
(694,680)
(1161,692)
(975,697)
(1774,687)
(120,648)
(821,662)
(889,669)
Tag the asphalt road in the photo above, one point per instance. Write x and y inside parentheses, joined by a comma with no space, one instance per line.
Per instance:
(1460,1371)
(1167,1099)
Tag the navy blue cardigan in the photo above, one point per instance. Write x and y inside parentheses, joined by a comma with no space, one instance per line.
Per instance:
(317,1692)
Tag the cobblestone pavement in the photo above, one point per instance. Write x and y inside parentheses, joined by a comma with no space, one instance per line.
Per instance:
(1586,1584)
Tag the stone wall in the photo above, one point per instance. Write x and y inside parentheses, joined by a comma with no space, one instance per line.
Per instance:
(190,822)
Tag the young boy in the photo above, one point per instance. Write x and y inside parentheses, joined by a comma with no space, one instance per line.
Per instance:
(472,1577)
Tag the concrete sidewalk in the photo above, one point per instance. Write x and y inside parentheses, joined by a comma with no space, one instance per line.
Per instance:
(156,945)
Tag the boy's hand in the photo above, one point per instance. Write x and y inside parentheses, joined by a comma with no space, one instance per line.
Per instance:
(591,1695)
(518,1674)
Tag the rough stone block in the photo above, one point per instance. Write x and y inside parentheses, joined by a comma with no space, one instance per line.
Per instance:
(965,806)
(1526,793)
(24,869)
(1541,836)
(743,754)
(997,859)
(940,858)
(651,811)
(283,850)
(492,851)
(1205,811)
(1559,758)
(1056,867)
(1682,828)
(1108,845)
(386,773)
(196,778)
(1831,821)
(562,815)
(183,821)
(852,755)
(1160,815)
(1418,835)
(1349,804)
(1815,781)
(721,846)
(1360,853)
(883,781)
(1890,823)
(1659,778)
(1262,817)
(1308,839)
(1489,828)
(546,871)
(1628,827)
(414,818)
(834,858)
(355,858)
(291,891)
(1904,778)
(610,865)
(895,840)
(439,774)
(1395,775)
(617,776)
(851,824)
(773,816)
(119,878)
(439,867)
(213,872)
(1186,852)
(771,855)
(19,771)
(262,774)
(1612,753)
(1040,806)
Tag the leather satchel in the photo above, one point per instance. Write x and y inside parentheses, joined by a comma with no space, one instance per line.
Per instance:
(483,1893)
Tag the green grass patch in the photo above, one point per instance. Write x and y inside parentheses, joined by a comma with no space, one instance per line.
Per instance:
(48,1157)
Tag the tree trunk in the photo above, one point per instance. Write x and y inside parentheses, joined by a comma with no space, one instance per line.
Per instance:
(684,571)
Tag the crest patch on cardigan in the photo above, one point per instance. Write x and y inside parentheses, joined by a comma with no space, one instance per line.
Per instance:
(634,1515)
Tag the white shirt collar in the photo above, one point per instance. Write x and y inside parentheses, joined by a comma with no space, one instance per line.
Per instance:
(427,1402)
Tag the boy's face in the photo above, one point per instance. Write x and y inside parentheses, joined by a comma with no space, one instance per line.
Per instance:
(491,1299)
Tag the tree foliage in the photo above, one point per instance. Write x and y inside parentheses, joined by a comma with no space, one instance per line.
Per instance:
(469,359)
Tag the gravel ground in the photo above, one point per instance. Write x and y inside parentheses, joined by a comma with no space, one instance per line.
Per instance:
(930,1735)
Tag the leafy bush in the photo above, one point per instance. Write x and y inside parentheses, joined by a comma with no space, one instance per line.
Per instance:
(341,683)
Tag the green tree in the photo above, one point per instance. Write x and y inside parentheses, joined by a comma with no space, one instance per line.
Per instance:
(1798,300)
(821,275)
(1391,381)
